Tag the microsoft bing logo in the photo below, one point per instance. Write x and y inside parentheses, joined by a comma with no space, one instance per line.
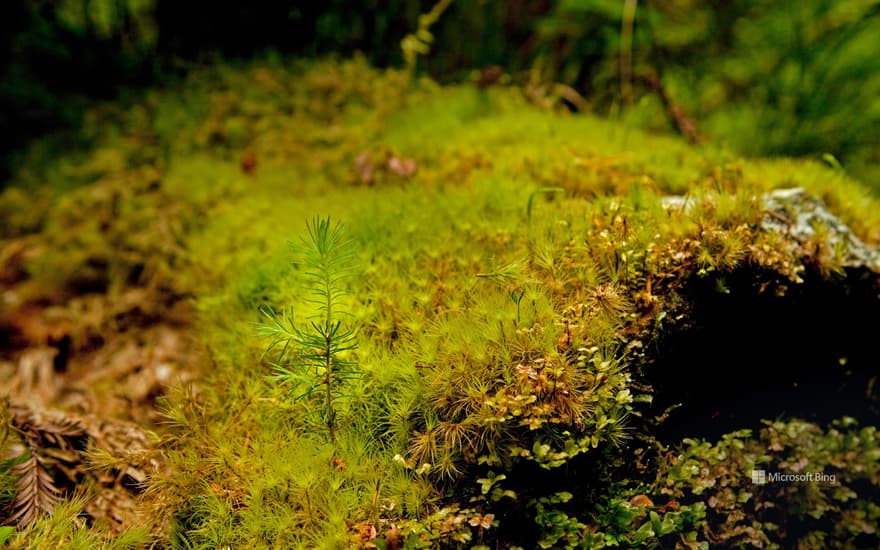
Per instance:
(761,477)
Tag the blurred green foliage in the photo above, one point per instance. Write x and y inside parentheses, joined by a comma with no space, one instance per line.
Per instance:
(773,78)
(762,77)
(765,78)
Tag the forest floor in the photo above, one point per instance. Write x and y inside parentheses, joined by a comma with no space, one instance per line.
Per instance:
(543,351)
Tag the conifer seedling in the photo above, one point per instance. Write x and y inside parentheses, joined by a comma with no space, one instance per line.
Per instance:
(313,359)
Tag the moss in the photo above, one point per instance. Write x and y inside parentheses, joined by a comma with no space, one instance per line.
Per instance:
(503,333)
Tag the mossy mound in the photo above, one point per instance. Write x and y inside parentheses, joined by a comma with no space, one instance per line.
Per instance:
(529,306)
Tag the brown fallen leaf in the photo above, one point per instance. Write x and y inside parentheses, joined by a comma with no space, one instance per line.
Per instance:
(670,506)
(404,167)
(362,533)
(489,76)
(393,538)
(35,375)
(641,501)
(248,162)
(364,167)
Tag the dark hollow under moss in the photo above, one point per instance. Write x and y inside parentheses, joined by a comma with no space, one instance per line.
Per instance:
(748,355)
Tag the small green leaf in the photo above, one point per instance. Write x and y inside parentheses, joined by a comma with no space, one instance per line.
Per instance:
(645,532)
(562,497)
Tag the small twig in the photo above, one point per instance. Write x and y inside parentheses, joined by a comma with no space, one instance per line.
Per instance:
(626,44)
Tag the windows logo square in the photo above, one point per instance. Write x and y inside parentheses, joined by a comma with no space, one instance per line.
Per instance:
(759,477)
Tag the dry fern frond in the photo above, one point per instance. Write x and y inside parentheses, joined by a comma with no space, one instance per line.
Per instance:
(47,440)
(35,491)
(46,429)
(52,455)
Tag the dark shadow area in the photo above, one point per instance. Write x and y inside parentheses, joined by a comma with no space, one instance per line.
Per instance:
(57,58)
(589,477)
(747,356)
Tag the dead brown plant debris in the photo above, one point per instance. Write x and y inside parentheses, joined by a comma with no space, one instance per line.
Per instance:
(59,453)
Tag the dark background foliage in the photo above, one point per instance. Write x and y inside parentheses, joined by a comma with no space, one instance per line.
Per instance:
(762,77)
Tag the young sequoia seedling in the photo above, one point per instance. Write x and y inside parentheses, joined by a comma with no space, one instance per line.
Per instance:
(312,360)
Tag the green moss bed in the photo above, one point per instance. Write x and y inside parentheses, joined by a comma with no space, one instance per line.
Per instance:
(290,305)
